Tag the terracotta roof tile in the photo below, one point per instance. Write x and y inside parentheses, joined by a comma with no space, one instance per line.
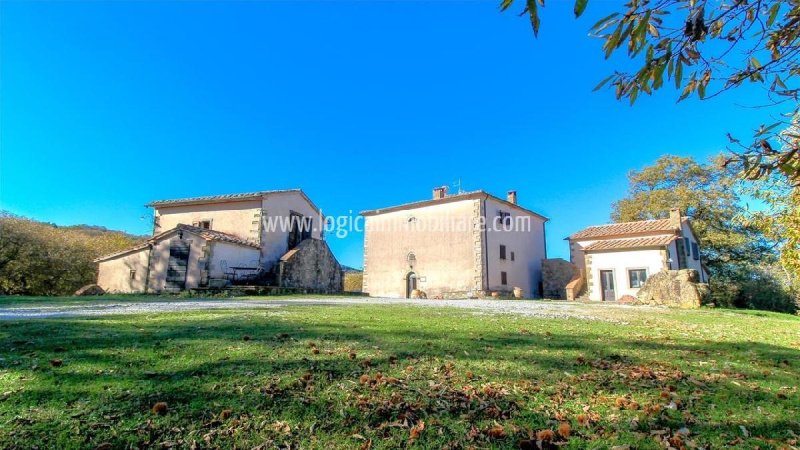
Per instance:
(621,229)
(209,235)
(213,235)
(449,198)
(616,244)
(224,198)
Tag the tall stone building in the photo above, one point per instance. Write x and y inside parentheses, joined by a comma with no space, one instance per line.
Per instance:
(268,237)
(463,245)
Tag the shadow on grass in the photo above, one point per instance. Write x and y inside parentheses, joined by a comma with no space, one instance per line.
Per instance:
(267,371)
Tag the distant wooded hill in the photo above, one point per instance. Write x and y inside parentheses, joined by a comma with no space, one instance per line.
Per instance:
(38,258)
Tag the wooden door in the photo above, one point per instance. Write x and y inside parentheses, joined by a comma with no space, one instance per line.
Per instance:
(178,264)
(607,285)
(411,283)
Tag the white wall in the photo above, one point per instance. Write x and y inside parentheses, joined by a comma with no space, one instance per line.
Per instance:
(445,259)
(275,242)
(233,255)
(528,247)
(620,262)
(114,275)
(239,218)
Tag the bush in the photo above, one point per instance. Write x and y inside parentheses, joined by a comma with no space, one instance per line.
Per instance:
(755,288)
(43,259)
(353,281)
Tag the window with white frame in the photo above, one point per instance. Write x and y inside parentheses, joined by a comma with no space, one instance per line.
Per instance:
(636,278)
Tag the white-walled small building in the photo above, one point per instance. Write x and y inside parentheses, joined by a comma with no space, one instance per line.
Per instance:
(618,258)
(209,241)
(462,245)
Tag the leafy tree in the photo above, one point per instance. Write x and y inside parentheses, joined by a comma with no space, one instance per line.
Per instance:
(738,251)
(706,194)
(706,48)
(43,259)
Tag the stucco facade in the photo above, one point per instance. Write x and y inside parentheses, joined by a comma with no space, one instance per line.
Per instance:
(197,241)
(618,258)
(445,248)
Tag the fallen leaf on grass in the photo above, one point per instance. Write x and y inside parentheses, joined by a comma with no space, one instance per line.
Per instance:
(160,408)
(496,431)
(545,435)
(417,429)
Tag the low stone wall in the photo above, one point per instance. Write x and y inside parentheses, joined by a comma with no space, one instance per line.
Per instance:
(311,265)
(556,275)
(675,288)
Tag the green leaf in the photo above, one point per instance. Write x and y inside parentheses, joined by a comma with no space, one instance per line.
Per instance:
(602,83)
(603,23)
(773,13)
(678,74)
(505,4)
(580,7)
(533,12)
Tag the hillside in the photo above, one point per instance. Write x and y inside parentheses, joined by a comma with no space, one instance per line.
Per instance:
(38,258)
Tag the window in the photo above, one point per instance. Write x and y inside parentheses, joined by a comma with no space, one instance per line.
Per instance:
(133,275)
(411,258)
(204,224)
(637,277)
(695,251)
(502,252)
(682,253)
(686,242)
(504,218)
(503,278)
(300,229)
(512,256)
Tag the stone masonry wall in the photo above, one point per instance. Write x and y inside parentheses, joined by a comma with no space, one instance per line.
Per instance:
(311,265)
(556,274)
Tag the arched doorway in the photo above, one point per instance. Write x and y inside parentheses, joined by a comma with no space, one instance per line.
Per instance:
(411,283)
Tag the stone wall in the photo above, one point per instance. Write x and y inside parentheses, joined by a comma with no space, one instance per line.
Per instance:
(676,288)
(311,265)
(556,274)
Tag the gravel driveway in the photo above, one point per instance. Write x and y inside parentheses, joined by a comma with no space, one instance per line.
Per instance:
(549,309)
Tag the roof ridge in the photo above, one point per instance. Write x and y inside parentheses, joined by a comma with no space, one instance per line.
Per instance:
(234,195)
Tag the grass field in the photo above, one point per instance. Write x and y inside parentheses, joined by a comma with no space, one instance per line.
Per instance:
(400,376)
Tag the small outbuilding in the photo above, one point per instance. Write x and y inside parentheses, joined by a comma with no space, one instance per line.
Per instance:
(618,258)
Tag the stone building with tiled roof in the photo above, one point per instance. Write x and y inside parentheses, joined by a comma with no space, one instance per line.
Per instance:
(468,244)
(618,258)
(215,241)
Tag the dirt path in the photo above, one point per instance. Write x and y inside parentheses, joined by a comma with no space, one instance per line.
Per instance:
(549,309)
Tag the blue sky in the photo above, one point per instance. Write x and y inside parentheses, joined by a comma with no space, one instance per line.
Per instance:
(105,106)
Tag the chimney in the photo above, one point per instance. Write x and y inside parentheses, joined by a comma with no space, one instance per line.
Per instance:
(439,192)
(512,197)
(675,218)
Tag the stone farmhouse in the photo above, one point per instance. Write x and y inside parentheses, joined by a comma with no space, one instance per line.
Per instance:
(618,258)
(265,238)
(463,245)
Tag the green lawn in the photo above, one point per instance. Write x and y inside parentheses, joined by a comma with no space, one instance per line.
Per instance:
(400,376)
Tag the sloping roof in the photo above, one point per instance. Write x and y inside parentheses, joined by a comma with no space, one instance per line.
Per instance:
(213,235)
(621,229)
(209,235)
(296,249)
(226,198)
(618,244)
(448,199)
